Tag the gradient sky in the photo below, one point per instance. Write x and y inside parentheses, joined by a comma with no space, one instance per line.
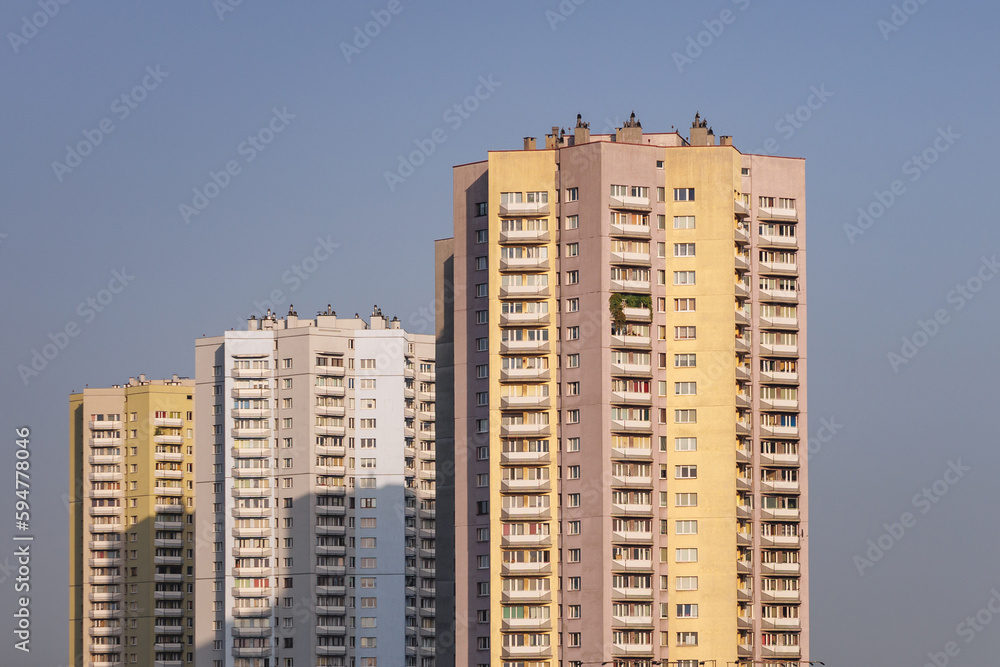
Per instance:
(347,114)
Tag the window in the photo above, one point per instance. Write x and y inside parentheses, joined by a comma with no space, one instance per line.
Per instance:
(685,500)
(367,503)
(661,222)
(366,423)
(482,316)
(483,643)
(286,363)
(483,479)
(572,305)
(684,277)
(744,171)
(686,555)
(683,222)
(482,426)
(366,403)
(685,444)
(572,277)
(685,388)
(686,527)
(659,164)
(685,472)
(572,222)
(574,556)
(482,371)
(483,453)
(685,416)
(573,444)
(286,383)
(572,249)
(482,398)
(574,583)
(483,561)
(684,360)
(482,236)
(573,472)
(661,249)
(482,290)
(572,416)
(368,443)
(286,422)
(661,194)
(482,507)
(573,360)
(683,250)
(685,333)
(686,583)
(482,534)
(574,611)
(572,388)
(687,638)
(573,500)
(481,263)
(483,590)
(573,528)
(683,194)
(572,194)
(684,305)
(480,209)
(482,344)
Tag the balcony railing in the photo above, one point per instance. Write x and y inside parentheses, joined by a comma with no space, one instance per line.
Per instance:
(629,203)
(777,214)
(523,291)
(524,374)
(515,209)
(630,286)
(524,263)
(630,231)
(510,319)
(524,236)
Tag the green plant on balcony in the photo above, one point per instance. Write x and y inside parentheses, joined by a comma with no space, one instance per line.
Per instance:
(618,302)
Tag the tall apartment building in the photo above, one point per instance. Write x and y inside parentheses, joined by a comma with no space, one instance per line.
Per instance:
(132,524)
(624,317)
(316,494)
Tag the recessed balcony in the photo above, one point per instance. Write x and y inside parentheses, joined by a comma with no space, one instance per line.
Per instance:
(777,214)
(511,319)
(630,286)
(629,203)
(626,257)
(742,262)
(524,374)
(523,291)
(524,208)
(524,236)
(524,263)
(742,289)
(740,209)
(251,372)
(740,235)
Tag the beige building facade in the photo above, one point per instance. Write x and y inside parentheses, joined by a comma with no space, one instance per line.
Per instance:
(622,333)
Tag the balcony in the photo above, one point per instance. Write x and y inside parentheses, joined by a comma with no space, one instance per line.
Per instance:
(640,342)
(637,314)
(168,577)
(171,422)
(104,459)
(779,514)
(332,630)
(168,595)
(252,452)
(631,425)
(331,610)
(630,536)
(524,375)
(249,413)
(776,486)
(529,402)
(105,511)
(524,263)
(331,650)
(631,480)
(630,286)
(779,295)
(781,624)
(331,450)
(630,231)
(511,319)
(775,431)
(780,596)
(251,372)
(105,648)
(743,484)
(769,241)
(742,372)
(780,651)
(779,459)
(105,476)
(740,209)
(105,442)
(254,652)
(779,377)
(251,592)
(524,430)
(246,392)
(631,593)
(780,541)
(250,432)
(777,214)
(251,612)
(529,624)
(525,236)
(535,540)
(631,621)
(632,370)
(743,400)
(331,410)
(104,544)
(740,235)
(527,209)
(331,510)
(524,346)
(742,262)
(330,390)
(104,597)
(169,544)
(633,649)
(168,474)
(168,439)
(629,203)
(630,565)
(168,560)
(251,512)
(631,453)
(775,350)
(625,257)
(779,404)
(109,631)
(742,289)
(787,323)
(524,485)
(330,529)
(526,652)
(251,572)
(744,511)
(509,597)
(331,430)
(513,458)
(105,425)
(512,513)
(523,291)
(779,268)
(330,370)
(173,457)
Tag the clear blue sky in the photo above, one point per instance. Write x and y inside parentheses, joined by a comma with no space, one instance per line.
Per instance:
(338,119)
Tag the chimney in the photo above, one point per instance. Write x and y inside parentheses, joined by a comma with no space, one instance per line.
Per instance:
(701,133)
(253,324)
(630,132)
(395,323)
(581,133)
(529,143)
(142,377)
(725,140)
